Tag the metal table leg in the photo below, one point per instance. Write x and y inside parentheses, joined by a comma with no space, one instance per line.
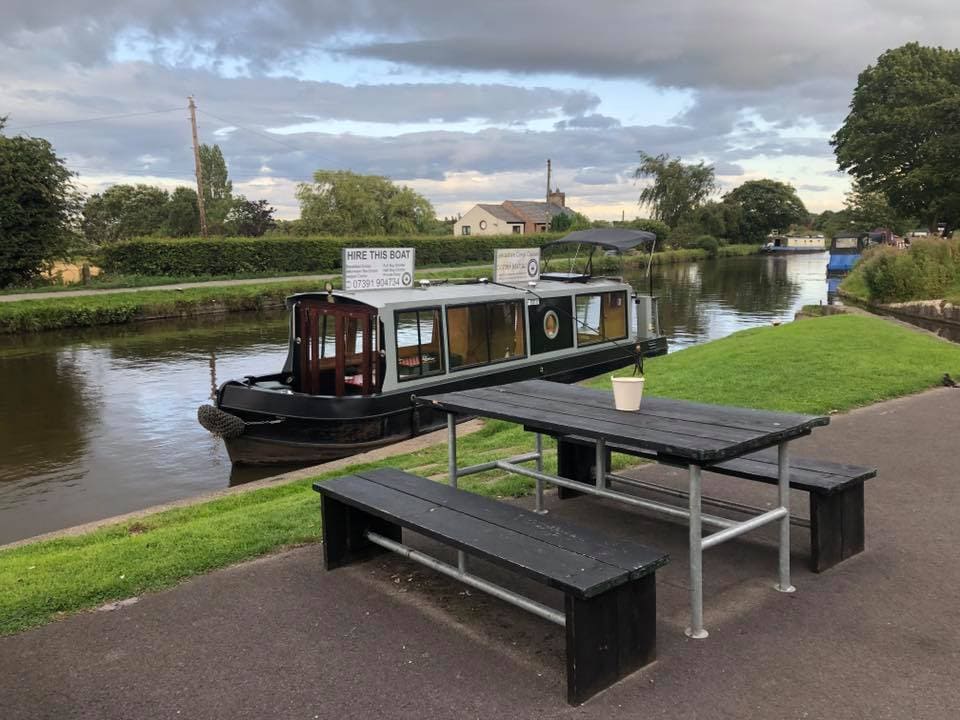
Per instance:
(538,507)
(783,487)
(600,465)
(696,629)
(452,474)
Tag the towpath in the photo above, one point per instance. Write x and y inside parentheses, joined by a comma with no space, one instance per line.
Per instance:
(874,637)
(205,284)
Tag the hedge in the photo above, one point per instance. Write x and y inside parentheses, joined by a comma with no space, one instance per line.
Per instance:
(229,256)
(926,271)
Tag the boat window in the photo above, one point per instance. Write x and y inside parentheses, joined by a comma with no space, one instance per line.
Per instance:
(485,332)
(845,243)
(337,350)
(601,316)
(419,343)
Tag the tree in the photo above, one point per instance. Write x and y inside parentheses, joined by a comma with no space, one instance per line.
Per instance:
(250,218)
(38,206)
(765,205)
(902,135)
(869,210)
(720,219)
(677,189)
(216,183)
(340,202)
(183,213)
(124,211)
(571,221)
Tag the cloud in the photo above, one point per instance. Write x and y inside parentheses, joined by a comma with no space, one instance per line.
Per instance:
(752,44)
(271,101)
(595,121)
(454,89)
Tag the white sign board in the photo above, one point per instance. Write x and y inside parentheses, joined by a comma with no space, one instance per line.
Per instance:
(517,265)
(378,268)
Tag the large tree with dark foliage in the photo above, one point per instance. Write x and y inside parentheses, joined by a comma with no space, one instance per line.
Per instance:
(765,205)
(124,211)
(38,207)
(250,218)
(902,135)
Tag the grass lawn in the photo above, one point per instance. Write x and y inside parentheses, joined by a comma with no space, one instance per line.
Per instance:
(812,366)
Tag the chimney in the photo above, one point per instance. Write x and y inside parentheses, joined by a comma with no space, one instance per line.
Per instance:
(554,197)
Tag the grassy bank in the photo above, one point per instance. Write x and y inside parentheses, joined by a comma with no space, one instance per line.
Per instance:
(812,366)
(116,308)
(854,287)
(665,257)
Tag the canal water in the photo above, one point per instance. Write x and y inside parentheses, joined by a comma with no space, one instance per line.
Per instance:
(103,421)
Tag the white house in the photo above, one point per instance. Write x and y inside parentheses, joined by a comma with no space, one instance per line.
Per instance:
(488,220)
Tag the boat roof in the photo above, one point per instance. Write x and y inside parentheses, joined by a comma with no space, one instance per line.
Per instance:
(619,239)
(451,294)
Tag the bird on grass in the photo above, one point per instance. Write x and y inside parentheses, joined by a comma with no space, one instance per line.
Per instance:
(949,381)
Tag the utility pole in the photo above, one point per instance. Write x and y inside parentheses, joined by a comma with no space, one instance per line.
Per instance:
(199,167)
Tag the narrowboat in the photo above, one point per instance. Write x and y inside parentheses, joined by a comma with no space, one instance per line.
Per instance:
(795,244)
(844,252)
(357,360)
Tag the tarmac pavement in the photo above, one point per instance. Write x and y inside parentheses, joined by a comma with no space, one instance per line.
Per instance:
(875,637)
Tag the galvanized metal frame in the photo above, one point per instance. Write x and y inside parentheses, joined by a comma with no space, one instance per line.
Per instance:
(693,514)
(456,573)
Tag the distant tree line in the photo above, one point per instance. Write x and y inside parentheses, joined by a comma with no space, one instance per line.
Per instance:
(122,211)
(679,195)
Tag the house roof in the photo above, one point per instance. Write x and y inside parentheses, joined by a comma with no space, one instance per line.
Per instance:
(501,213)
(536,212)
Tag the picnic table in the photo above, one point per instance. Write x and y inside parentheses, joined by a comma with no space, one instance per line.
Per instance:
(677,432)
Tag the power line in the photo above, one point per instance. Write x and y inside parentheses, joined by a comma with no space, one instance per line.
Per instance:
(255,132)
(94,119)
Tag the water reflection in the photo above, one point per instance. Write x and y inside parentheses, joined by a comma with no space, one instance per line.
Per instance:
(103,421)
(709,300)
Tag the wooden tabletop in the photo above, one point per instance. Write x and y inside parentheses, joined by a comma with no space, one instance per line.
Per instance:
(675,428)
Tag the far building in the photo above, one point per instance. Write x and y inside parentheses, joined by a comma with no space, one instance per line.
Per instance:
(519,217)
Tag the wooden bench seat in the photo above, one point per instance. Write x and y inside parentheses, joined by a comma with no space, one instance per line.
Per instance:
(835,490)
(608,585)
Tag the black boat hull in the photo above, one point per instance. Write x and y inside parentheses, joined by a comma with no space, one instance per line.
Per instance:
(299,428)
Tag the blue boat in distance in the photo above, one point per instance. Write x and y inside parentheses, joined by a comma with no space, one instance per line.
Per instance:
(844,252)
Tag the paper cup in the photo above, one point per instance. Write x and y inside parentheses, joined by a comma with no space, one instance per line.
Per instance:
(627,392)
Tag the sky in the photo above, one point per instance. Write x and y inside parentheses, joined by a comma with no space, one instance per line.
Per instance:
(463,102)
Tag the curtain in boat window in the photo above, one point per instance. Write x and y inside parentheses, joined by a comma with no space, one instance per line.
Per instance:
(601,316)
(485,333)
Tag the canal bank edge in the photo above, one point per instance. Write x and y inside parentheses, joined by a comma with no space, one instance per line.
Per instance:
(114,306)
(400,448)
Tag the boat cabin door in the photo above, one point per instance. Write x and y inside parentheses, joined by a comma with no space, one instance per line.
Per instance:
(337,349)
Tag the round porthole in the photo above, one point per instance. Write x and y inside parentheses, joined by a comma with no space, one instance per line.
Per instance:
(551,324)
(483,224)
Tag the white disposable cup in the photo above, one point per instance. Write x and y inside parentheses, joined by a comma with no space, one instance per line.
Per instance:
(627,392)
